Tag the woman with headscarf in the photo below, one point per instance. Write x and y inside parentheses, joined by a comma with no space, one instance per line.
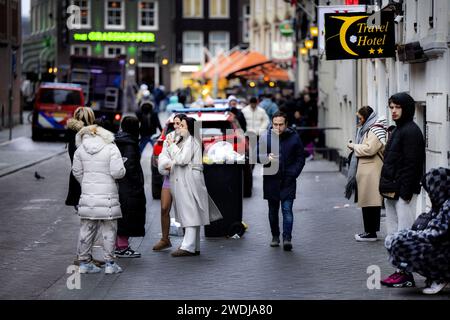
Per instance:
(365,170)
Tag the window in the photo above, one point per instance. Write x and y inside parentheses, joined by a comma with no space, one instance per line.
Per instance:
(3,20)
(41,13)
(38,18)
(246,24)
(15,21)
(192,8)
(33,19)
(85,10)
(115,15)
(219,41)
(148,15)
(81,50)
(114,51)
(219,9)
(60,96)
(192,47)
(258,7)
(44,16)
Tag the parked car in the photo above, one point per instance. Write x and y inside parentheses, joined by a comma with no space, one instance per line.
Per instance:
(55,103)
(215,123)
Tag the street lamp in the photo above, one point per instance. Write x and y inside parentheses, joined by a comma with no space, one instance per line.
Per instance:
(309,44)
(314,30)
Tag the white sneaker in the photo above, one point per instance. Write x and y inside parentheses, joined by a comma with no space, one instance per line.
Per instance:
(434,287)
(112,268)
(365,237)
(89,268)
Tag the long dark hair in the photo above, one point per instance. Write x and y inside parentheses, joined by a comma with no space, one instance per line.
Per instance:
(191,128)
(180,116)
(130,125)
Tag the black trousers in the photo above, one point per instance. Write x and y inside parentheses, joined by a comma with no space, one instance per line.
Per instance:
(371,218)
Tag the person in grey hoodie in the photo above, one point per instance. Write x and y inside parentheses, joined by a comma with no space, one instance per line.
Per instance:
(97,164)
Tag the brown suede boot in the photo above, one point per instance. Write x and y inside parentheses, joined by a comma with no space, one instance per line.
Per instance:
(162,244)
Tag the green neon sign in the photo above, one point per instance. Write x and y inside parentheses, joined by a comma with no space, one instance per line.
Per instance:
(144,37)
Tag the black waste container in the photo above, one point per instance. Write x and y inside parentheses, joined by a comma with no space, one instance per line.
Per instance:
(225,184)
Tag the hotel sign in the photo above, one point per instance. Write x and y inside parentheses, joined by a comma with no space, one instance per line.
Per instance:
(349,36)
(144,37)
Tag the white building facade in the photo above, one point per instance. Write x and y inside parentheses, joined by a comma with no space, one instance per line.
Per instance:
(346,85)
(266,21)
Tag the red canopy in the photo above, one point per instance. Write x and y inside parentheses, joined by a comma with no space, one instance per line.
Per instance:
(245,64)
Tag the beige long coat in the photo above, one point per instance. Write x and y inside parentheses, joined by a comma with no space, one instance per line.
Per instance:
(368,172)
(191,202)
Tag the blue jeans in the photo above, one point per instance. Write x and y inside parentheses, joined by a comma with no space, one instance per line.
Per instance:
(288,218)
(144,141)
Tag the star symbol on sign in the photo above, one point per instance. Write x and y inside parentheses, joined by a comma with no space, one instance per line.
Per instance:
(380,51)
(371,51)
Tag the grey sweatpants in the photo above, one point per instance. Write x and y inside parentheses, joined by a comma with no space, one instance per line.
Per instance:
(88,232)
(400,215)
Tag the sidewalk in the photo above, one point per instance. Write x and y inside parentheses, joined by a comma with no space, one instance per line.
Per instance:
(22,152)
(326,262)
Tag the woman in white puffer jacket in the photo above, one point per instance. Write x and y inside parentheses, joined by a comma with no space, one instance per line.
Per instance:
(97,164)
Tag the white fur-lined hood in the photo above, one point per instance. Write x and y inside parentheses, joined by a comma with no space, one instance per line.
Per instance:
(93,138)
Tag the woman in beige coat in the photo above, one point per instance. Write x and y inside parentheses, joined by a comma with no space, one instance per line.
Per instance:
(368,157)
(192,205)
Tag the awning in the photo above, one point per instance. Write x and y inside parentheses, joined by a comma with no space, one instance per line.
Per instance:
(234,65)
(269,70)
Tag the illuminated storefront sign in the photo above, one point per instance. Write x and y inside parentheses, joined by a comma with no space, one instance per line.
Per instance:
(144,37)
(347,36)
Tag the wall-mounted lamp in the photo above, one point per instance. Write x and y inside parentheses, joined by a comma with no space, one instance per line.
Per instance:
(309,44)
(303,51)
(314,30)
(132,61)
(165,61)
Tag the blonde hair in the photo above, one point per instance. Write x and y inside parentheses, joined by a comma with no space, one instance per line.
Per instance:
(84,114)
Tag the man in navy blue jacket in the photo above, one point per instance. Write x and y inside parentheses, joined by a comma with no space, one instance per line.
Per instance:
(280,185)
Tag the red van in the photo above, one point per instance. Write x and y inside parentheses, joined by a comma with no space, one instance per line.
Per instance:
(55,104)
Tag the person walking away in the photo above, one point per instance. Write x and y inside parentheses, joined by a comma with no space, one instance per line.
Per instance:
(233,105)
(82,117)
(280,188)
(427,250)
(365,170)
(149,123)
(166,197)
(269,106)
(131,189)
(174,104)
(401,174)
(192,205)
(97,164)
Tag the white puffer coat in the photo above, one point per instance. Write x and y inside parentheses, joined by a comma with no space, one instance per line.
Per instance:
(97,164)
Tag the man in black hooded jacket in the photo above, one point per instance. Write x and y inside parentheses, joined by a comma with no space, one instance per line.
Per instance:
(401,174)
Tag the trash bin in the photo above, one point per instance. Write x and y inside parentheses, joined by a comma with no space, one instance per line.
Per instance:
(225,186)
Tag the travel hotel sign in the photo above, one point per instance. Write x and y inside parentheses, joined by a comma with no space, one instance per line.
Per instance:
(144,37)
(349,36)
